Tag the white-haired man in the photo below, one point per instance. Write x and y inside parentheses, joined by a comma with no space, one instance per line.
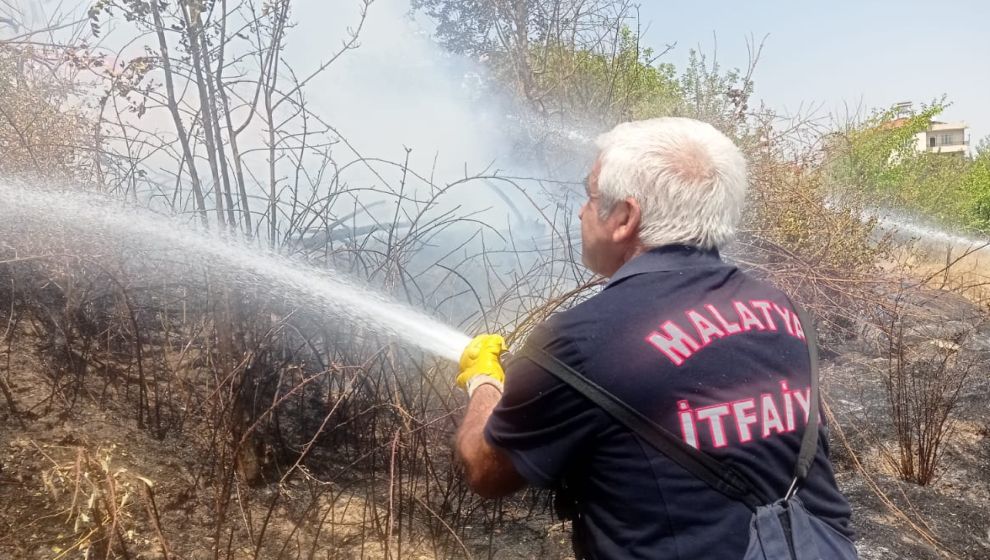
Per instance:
(685,339)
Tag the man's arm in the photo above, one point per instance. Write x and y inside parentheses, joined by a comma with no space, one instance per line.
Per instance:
(489,470)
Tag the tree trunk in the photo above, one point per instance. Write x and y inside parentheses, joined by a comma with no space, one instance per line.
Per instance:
(194,29)
(173,107)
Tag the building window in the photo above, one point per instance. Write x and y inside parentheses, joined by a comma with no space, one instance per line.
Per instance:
(947,140)
(931,142)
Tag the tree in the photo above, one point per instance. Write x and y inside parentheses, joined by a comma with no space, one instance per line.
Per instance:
(976,185)
(582,62)
(879,158)
(719,97)
(550,52)
(605,89)
(42,136)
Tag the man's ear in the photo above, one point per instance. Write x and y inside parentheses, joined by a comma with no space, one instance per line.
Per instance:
(628,216)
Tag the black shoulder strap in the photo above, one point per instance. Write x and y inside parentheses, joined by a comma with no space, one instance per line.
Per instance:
(718,475)
(809,443)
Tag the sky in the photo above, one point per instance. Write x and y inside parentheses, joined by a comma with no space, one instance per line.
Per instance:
(836,57)
(831,59)
(843,56)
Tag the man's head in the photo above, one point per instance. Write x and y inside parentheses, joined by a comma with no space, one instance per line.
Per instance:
(660,182)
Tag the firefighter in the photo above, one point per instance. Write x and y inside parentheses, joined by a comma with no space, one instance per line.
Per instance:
(685,338)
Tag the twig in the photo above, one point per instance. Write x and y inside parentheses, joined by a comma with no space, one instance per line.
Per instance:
(152,507)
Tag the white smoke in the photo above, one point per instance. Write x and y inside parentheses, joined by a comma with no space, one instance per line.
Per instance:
(400,90)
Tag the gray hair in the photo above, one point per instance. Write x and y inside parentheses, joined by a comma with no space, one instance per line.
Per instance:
(688,178)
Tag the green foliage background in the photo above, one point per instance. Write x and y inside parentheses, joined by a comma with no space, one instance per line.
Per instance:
(878,158)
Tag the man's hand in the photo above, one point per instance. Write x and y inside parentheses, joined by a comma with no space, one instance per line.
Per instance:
(481,357)
(489,470)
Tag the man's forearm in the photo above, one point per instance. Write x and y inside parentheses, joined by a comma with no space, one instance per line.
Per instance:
(489,471)
(471,444)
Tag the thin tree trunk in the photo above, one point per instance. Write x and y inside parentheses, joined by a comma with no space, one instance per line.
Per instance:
(211,91)
(232,134)
(269,90)
(193,32)
(173,106)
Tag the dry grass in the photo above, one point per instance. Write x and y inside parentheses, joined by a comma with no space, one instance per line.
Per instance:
(964,270)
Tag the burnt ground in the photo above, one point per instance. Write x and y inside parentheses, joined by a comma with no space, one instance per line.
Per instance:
(890,515)
(65,458)
(950,517)
(58,468)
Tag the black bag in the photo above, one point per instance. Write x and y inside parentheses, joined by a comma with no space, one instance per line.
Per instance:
(779,530)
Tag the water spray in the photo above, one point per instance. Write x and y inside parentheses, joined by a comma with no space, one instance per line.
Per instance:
(87,214)
(903,225)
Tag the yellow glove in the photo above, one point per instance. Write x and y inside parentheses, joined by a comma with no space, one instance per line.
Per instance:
(481,358)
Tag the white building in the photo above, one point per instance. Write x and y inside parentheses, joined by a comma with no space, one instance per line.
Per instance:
(940,138)
(944,138)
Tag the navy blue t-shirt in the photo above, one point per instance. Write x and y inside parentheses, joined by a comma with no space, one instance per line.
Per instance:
(705,350)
